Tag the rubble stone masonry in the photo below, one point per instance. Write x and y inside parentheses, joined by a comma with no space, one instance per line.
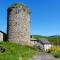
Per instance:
(18,25)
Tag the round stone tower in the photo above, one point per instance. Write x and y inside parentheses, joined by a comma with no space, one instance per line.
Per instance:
(18,23)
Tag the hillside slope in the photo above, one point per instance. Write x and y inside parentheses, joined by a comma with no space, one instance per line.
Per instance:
(52,39)
(15,52)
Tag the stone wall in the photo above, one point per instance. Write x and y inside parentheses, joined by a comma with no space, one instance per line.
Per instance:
(18,25)
(1,36)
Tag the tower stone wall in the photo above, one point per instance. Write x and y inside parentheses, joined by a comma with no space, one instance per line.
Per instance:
(18,24)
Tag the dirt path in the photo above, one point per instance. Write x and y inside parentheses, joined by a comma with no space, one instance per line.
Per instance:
(43,56)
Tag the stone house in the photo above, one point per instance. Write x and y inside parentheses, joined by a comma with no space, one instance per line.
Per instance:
(33,41)
(46,44)
(42,43)
(3,36)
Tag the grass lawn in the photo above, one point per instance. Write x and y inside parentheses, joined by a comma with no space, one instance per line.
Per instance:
(15,51)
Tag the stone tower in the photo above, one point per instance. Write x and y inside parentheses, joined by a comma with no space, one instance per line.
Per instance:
(18,23)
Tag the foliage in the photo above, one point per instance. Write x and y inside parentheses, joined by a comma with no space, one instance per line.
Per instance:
(55,51)
(52,39)
(38,36)
(56,54)
(15,51)
(17,5)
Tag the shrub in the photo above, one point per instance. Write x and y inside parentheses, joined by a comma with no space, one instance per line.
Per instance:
(55,51)
(56,54)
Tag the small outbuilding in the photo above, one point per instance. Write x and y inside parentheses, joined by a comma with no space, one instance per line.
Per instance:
(3,36)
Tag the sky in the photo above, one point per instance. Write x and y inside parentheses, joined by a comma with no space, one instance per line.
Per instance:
(44,17)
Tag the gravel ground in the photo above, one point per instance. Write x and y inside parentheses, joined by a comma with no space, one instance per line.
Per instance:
(43,56)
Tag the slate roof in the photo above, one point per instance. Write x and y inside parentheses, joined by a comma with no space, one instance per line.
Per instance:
(2,32)
(44,41)
(41,40)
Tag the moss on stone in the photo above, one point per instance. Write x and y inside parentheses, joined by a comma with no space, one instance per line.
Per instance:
(18,5)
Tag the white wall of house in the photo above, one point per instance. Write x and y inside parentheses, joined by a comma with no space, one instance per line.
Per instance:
(1,36)
(47,46)
(34,43)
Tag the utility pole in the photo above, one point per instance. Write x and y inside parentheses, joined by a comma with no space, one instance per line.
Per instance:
(57,40)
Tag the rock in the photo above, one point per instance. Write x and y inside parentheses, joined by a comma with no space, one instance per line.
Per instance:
(2,49)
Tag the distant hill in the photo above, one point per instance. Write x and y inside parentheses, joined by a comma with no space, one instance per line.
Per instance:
(52,39)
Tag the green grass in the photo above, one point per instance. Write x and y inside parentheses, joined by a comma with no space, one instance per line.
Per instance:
(56,54)
(52,39)
(15,51)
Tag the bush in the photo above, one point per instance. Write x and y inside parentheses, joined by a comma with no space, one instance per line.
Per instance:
(55,51)
(56,54)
